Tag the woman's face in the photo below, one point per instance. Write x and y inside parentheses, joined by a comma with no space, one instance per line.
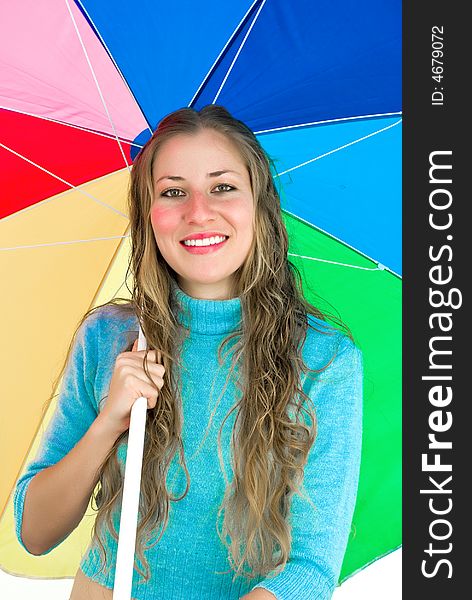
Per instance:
(195,200)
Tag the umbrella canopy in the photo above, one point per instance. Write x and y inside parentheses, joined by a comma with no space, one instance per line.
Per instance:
(83,88)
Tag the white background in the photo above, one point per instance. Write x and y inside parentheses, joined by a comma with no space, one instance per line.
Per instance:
(381,579)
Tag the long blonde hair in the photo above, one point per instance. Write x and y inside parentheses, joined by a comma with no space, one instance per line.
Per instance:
(275,424)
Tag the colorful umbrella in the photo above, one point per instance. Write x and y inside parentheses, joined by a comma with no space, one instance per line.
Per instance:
(83,86)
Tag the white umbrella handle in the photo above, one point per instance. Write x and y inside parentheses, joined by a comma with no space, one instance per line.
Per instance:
(130,503)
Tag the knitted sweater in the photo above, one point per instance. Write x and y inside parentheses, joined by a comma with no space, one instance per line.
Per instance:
(190,562)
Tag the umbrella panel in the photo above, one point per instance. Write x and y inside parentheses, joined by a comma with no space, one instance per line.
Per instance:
(39,266)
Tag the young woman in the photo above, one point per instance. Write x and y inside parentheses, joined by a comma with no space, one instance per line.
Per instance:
(253,433)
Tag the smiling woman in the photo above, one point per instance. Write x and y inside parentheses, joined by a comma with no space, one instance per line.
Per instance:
(215,209)
(253,432)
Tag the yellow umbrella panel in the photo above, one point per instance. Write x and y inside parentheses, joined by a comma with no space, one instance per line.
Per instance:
(58,258)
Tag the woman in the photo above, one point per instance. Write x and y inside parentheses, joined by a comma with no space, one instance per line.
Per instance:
(238,500)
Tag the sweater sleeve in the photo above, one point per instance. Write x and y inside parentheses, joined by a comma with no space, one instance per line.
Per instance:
(75,411)
(320,534)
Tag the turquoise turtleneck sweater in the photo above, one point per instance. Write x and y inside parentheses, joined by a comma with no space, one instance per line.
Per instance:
(189,561)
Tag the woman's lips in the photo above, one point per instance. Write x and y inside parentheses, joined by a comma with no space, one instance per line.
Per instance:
(204,249)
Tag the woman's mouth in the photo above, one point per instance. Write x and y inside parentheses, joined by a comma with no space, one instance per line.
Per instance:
(205,245)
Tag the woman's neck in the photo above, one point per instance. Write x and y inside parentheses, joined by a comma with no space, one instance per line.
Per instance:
(208,316)
(220,290)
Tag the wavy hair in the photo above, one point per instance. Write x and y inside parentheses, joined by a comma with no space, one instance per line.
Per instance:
(275,423)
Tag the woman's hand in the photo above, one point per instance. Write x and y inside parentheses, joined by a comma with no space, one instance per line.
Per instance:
(128,383)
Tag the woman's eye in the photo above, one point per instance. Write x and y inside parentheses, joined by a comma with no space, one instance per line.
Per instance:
(226,185)
(167,195)
(176,193)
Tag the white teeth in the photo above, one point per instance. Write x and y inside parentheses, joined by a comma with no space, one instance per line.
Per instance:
(205,241)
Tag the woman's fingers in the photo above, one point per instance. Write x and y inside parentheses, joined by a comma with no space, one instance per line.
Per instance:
(132,378)
(154,354)
(156,372)
(146,390)
(154,366)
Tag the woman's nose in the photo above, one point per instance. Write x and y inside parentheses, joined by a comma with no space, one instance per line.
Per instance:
(199,208)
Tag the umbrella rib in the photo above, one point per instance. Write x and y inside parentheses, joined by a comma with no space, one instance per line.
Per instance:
(379,266)
(327,121)
(238,52)
(99,239)
(64,181)
(235,30)
(72,125)
(365,137)
(333,237)
(97,84)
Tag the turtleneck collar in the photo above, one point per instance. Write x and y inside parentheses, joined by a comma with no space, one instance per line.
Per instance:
(209,317)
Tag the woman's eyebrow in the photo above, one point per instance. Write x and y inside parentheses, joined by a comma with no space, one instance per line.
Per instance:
(217,173)
(213,174)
